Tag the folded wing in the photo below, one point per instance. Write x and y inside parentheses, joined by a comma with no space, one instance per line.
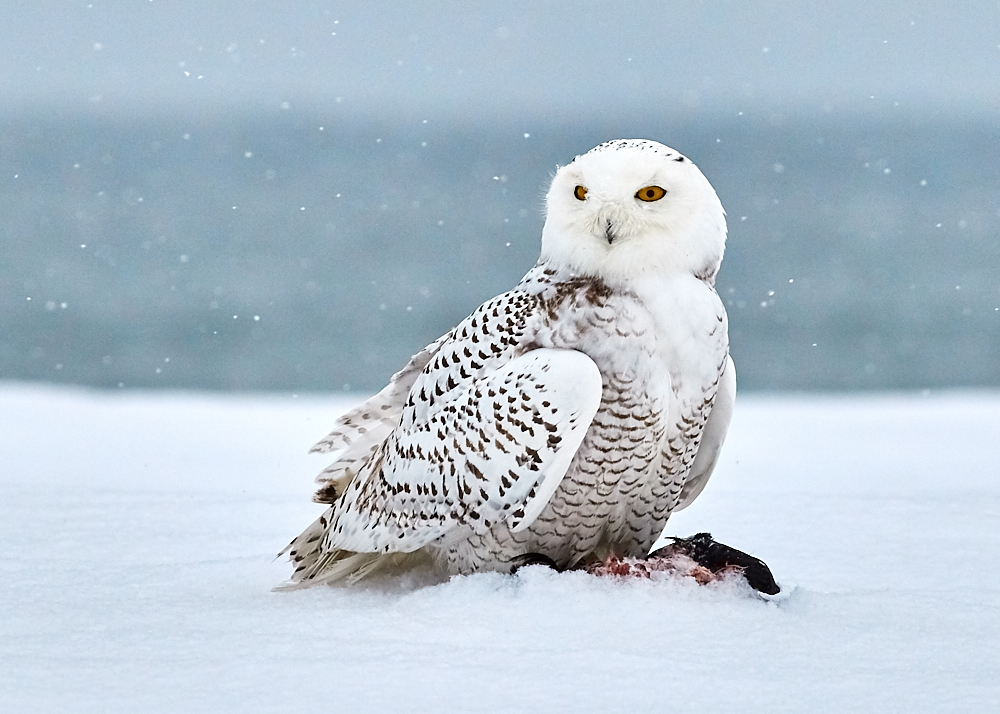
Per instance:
(358,433)
(495,450)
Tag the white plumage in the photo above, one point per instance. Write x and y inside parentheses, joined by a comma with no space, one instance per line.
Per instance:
(568,417)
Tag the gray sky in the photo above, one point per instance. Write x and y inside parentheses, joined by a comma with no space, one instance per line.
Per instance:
(503,58)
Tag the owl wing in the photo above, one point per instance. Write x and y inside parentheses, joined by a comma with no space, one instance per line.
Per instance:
(359,432)
(492,448)
(712,437)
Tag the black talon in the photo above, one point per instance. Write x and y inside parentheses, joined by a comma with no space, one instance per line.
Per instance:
(702,549)
(526,559)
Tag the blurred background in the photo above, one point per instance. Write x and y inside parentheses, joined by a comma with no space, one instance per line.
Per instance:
(291,196)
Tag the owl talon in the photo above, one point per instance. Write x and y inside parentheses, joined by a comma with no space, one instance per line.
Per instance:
(526,559)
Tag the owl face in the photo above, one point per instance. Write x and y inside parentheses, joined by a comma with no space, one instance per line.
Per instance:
(632,207)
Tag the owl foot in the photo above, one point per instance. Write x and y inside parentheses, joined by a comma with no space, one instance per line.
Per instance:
(719,558)
(526,559)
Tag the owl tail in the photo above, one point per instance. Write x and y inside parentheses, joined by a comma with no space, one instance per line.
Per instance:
(314,565)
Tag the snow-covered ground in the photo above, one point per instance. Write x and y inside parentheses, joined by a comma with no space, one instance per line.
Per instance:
(138,536)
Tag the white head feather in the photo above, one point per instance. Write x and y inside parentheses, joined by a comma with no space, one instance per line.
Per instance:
(614,235)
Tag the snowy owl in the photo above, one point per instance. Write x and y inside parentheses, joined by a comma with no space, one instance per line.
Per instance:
(564,420)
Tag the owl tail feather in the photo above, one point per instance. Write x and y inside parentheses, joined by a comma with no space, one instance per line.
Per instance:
(315,566)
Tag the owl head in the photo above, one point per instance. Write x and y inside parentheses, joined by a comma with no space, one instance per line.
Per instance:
(632,208)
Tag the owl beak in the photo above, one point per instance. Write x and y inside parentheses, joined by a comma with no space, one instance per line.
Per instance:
(609,233)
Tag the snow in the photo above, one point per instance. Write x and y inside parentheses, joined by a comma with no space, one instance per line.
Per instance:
(139,533)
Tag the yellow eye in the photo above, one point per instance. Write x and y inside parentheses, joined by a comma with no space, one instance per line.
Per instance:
(581,193)
(650,193)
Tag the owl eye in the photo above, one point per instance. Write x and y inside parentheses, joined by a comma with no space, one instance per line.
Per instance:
(650,193)
(580,192)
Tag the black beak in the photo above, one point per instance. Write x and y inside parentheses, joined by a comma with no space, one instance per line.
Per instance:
(609,235)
